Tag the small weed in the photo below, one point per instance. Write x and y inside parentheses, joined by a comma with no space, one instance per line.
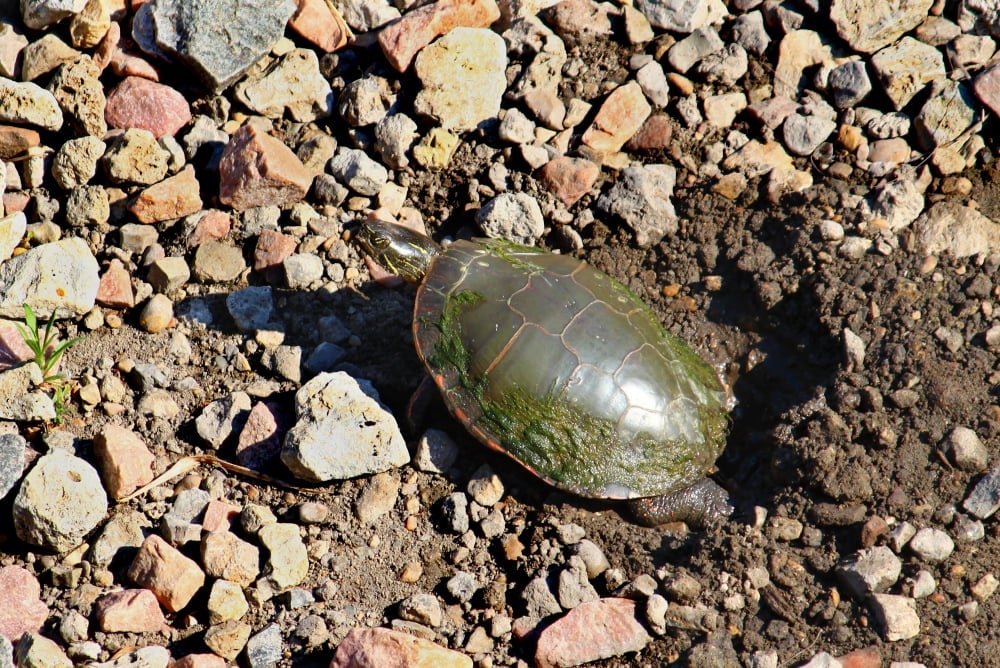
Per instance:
(43,345)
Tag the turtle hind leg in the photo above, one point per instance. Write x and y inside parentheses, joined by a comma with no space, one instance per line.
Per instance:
(699,505)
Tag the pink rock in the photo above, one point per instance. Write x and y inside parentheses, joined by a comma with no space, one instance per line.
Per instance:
(569,179)
(385,648)
(171,198)
(13,349)
(620,117)
(140,103)
(257,169)
(866,657)
(199,661)
(219,515)
(318,23)
(654,135)
(126,463)
(271,249)
(591,631)
(105,49)
(23,610)
(129,611)
(986,86)
(402,40)
(772,112)
(115,288)
(162,569)
(260,440)
(126,64)
(213,226)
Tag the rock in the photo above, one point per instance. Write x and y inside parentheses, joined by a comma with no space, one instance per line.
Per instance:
(23,401)
(960,231)
(402,40)
(171,198)
(129,611)
(256,169)
(318,23)
(571,640)
(512,216)
(126,463)
(188,32)
(932,545)
(222,418)
(721,110)
(30,104)
(949,112)
(869,571)
(16,141)
(90,25)
(78,90)
(569,179)
(574,586)
(619,117)
(485,486)
(516,128)
(455,512)
(44,55)
(683,16)
(302,270)
(162,569)
(157,314)
(578,22)
(226,602)
(228,638)
(168,274)
(686,53)
(986,86)
(905,68)
(23,610)
(252,309)
(291,84)
(287,561)
(849,84)
(217,262)
(897,202)
(421,608)
(365,101)
(893,151)
(199,661)
(264,649)
(40,14)
(436,452)
(75,163)
(896,615)
(12,460)
(868,27)
(36,651)
(749,32)
(272,249)
(435,150)
(463,78)
(641,198)
(357,171)
(799,51)
(804,134)
(367,648)
(394,135)
(140,103)
(135,157)
(963,447)
(724,67)
(334,408)
(462,586)
(227,557)
(377,498)
(60,501)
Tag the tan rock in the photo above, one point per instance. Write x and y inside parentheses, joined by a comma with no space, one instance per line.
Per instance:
(162,569)
(620,116)
(318,22)
(402,40)
(125,462)
(173,197)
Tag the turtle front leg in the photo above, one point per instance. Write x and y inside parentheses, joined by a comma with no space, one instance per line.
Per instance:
(699,505)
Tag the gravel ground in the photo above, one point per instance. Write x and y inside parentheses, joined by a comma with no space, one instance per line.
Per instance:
(846,297)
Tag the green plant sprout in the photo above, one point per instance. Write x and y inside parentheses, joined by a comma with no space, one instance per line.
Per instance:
(43,345)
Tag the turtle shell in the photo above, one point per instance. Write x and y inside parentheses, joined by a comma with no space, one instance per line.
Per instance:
(560,366)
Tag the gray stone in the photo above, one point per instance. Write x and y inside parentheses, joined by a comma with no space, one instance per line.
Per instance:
(62,276)
(292,84)
(593,558)
(252,309)
(574,587)
(539,599)
(122,532)
(803,134)
(724,67)
(849,84)
(641,198)
(26,103)
(88,206)
(686,53)
(683,16)
(364,101)
(868,571)
(924,584)
(516,128)
(964,448)
(12,451)
(188,31)
(394,135)
(455,512)
(324,357)
(342,431)
(512,216)
(654,84)
(190,504)
(462,586)
(377,498)
(264,648)
(896,615)
(436,452)
(222,418)
(60,501)
(932,545)
(950,111)
(750,33)
(357,171)
(869,26)
(218,262)
(905,68)
(75,163)
(897,201)
(302,270)
(366,15)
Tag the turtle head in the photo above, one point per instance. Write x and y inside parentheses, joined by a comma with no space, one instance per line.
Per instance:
(402,251)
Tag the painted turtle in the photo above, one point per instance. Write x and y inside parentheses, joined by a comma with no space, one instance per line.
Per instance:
(561,367)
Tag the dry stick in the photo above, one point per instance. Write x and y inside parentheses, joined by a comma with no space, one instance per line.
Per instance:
(186,464)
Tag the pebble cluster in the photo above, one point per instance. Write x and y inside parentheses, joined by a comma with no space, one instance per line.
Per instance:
(149,160)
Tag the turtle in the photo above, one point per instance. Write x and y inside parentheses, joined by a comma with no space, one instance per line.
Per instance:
(565,370)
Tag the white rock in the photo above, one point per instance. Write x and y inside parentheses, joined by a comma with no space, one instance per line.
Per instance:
(869,571)
(897,615)
(951,228)
(293,84)
(61,276)
(516,217)
(932,545)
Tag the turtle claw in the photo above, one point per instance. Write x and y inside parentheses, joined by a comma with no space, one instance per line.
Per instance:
(699,505)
